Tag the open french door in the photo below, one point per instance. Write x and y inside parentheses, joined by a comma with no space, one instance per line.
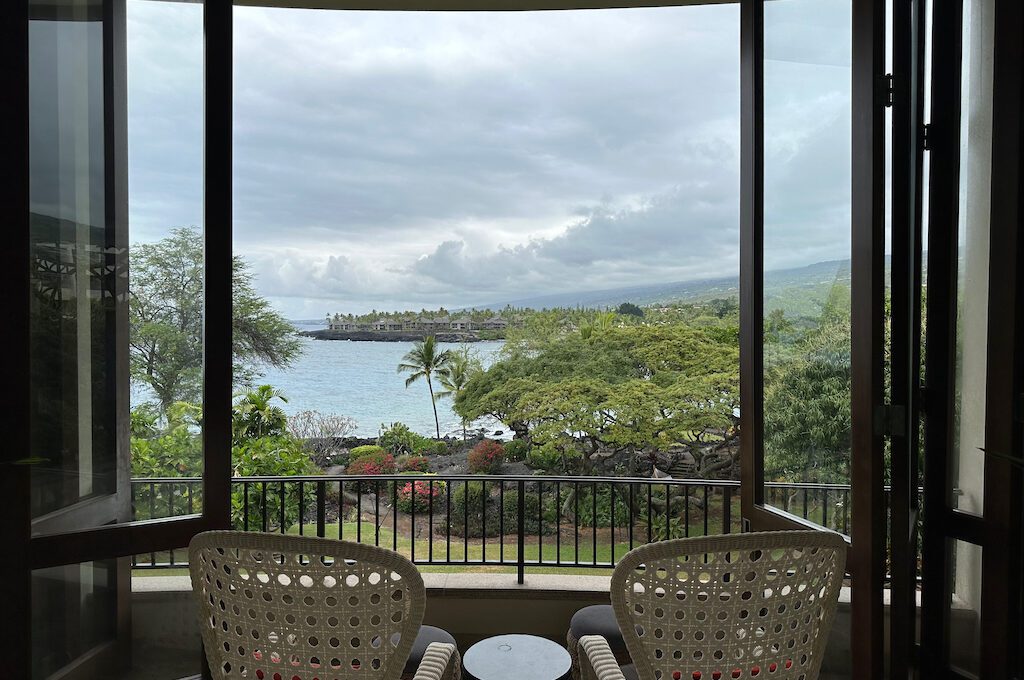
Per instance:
(971,560)
(812,371)
(65,469)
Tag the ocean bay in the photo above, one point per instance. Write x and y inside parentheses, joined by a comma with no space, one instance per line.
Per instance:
(360,380)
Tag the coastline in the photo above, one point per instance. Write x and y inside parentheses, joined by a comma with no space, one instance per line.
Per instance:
(394,336)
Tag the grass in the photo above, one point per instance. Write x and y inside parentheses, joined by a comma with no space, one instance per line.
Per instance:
(547,550)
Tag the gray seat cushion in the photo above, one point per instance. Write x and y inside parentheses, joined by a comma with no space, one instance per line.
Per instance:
(598,619)
(426,635)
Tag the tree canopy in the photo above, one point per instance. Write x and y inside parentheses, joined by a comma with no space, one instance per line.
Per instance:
(166,317)
(616,387)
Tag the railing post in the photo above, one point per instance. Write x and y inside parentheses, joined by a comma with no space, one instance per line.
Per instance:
(321,508)
(727,510)
(521,530)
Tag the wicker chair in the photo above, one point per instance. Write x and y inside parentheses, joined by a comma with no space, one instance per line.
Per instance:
(756,605)
(286,607)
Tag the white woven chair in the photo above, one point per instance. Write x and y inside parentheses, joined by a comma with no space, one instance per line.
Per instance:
(757,605)
(275,607)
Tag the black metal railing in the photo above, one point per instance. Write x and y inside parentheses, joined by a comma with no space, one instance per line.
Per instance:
(507,522)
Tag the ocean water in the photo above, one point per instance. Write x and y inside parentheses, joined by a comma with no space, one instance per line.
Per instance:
(360,380)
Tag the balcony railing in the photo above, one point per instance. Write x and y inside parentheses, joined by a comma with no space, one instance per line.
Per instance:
(503,522)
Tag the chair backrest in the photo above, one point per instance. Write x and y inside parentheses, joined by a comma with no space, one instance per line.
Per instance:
(757,605)
(274,606)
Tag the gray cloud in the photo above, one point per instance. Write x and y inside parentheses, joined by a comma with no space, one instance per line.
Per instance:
(405,159)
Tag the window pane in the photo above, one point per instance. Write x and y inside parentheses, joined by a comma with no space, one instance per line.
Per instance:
(78,267)
(807,257)
(968,469)
(74,613)
(965,608)
(165,161)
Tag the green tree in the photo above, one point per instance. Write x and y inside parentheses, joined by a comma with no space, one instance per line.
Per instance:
(629,309)
(166,317)
(455,375)
(807,403)
(424,361)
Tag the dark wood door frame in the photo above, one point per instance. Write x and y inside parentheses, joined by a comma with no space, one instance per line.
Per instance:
(15,520)
(1001,578)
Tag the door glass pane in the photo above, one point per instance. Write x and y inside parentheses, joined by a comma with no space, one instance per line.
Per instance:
(164,46)
(807,181)
(74,613)
(965,608)
(78,268)
(968,468)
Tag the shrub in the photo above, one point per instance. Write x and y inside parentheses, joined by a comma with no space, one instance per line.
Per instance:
(417,494)
(516,450)
(375,463)
(604,506)
(486,457)
(546,458)
(468,508)
(398,438)
(413,464)
(273,456)
(318,432)
(431,447)
(367,450)
(531,508)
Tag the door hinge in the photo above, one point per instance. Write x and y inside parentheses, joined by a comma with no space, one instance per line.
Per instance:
(890,421)
(887,89)
(926,137)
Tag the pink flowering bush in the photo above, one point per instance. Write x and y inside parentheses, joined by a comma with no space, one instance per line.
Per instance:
(418,494)
(378,463)
(413,464)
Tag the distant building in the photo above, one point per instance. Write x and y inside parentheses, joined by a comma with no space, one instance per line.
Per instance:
(462,323)
(495,323)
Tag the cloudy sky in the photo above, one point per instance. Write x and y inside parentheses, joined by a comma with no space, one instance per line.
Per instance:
(407,160)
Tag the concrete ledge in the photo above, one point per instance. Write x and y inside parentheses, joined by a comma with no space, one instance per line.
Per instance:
(537,586)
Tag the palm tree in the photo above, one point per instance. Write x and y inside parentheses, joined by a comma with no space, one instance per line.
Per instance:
(424,361)
(455,375)
(255,416)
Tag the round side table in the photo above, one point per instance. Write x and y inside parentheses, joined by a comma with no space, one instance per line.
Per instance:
(517,657)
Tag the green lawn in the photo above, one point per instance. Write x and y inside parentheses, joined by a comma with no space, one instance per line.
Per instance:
(473,550)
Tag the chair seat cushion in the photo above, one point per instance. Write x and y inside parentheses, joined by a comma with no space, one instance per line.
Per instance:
(598,619)
(629,670)
(426,635)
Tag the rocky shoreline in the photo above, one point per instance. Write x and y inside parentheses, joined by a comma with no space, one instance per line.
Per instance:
(392,336)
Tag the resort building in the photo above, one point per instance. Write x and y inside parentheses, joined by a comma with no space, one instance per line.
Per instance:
(494,323)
